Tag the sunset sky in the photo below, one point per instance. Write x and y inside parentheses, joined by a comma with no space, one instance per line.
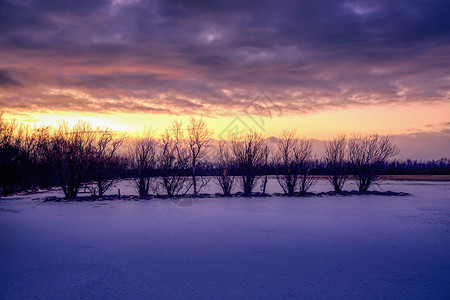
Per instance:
(324,67)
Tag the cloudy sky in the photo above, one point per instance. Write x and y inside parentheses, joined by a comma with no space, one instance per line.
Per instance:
(326,67)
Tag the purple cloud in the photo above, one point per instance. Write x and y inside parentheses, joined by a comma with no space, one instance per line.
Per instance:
(214,56)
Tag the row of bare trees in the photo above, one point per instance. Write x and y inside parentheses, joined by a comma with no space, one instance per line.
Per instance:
(180,160)
(78,152)
(364,157)
(247,158)
(19,146)
(175,157)
(294,157)
(64,155)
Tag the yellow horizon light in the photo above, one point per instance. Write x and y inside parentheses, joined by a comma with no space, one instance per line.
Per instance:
(385,119)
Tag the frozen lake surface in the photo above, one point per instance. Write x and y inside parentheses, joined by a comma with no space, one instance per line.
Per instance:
(332,247)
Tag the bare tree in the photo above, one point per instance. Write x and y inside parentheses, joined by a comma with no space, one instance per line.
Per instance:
(307,180)
(225,164)
(173,161)
(288,161)
(368,156)
(9,152)
(142,158)
(199,137)
(248,152)
(265,168)
(294,162)
(17,156)
(336,164)
(28,140)
(45,174)
(71,150)
(106,144)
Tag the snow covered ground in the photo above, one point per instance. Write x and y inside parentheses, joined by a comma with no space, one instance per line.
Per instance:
(331,247)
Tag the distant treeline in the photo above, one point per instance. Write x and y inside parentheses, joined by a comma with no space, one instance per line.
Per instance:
(183,159)
(418,167)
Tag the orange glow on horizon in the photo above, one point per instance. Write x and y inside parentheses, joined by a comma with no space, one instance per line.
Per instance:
(389,119)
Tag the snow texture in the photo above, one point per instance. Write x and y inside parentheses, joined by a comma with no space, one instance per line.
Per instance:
(330,247)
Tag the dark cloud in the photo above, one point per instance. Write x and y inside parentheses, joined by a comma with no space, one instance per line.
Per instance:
(214,56)
(6,79)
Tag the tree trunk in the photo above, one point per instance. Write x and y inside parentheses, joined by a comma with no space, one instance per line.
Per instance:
(194,179)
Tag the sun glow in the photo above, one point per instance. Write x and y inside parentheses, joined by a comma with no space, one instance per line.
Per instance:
(389,119)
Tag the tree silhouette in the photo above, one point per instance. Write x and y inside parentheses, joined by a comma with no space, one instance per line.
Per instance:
(225,164)
(336,163)
(248,152)
(142,158)
(199,137)
(368,155)
(104,159)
